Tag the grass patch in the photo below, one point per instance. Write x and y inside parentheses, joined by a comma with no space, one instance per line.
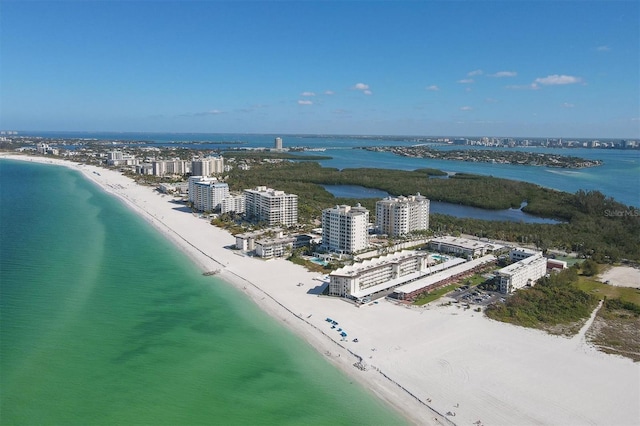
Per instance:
(434,295)
(600,290)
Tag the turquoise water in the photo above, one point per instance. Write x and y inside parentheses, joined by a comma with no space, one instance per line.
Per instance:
(104,322)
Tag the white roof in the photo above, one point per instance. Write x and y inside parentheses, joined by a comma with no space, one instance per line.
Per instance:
(432,279)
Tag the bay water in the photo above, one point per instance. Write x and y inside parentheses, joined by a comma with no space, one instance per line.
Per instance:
(103,321)
(618,177)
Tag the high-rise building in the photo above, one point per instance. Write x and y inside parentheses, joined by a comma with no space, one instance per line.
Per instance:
(171,167)
(344,228)
(402,215)
(277,144)
(233,203)
(207,166)
(264,204)
(206,194)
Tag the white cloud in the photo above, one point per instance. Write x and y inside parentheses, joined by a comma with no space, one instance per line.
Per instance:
(305,102)
(433,88)
(603,49)
(532,86)
(501,74)
(466,108)
(474,73)
(466,81)
(364,88)
(203,113)
(555,80)
(307,94)
(567,105)
(329,92)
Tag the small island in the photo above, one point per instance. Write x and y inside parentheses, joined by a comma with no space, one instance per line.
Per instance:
(490,156)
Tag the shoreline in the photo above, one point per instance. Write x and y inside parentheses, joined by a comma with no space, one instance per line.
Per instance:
(423,362)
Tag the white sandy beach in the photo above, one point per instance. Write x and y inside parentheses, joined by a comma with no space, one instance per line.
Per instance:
(426,362)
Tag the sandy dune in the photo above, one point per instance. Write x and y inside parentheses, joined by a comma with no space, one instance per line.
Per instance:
(622,276)
(435,364)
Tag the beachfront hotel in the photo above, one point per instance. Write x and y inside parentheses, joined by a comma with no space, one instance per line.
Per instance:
(463,246)
(407,273)
(345,228)
(397,216)
(523,272)
(206,194)
(363,279)
(119,158)
(207,166)
(268,205)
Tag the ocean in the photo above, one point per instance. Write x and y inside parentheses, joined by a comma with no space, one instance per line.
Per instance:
(618,177)
(103,321)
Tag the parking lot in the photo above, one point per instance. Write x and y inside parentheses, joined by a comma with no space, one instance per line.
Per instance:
(475,296)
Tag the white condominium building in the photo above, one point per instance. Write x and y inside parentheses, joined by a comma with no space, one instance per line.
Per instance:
(206,194)
(233,203)
(396,216)
(363,279)
(524,272)
(207,166)
(171,167)
(264,204)
(344,228)
(521,253)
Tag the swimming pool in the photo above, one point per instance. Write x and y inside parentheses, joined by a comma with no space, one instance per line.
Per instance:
(318,261)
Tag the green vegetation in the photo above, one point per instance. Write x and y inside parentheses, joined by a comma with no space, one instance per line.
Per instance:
(615,329)
(490,156)
(610,292)
(589,229)
(262,155)
(553,301)
(425,298)
(590,267)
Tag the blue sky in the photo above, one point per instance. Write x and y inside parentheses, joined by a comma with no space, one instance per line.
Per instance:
(486,68)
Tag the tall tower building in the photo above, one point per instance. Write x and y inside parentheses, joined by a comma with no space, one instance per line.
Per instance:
(402,215)
(271,206)
(344,228)
(207,166)
(277,144)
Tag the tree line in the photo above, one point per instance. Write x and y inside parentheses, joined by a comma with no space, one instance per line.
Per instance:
(590,228)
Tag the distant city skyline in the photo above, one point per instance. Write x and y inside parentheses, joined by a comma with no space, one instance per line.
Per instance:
(557,69)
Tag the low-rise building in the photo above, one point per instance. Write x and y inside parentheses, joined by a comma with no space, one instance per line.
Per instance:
(520,253)
(463,246)
(442,278)
(522,273)
(396,271)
